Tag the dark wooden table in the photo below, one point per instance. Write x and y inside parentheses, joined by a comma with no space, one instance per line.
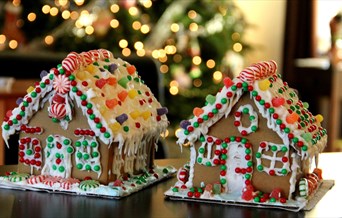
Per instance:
(150,202)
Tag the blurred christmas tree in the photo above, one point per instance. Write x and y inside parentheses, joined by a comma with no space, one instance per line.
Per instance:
(197,43)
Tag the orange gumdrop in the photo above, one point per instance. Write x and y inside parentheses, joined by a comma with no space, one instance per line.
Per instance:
(292,118)
(122,95)
(198,111)
(111,81)
(131,69)
(111,103)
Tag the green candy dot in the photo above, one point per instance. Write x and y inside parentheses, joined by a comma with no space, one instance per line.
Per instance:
(33,94)
(89,105)
(248,151)
(50,139)
(78,144)
(107,135)
(54,167)
(274,148)
(284,171)
(260,167)
(304,148)
(57,155)
(85,143)
(249,163)
(79,155)
(205,117)
(93,144)
(126,128)
(6,127)
(29,152)
(258,155)
(97,168)
(223,167)
(22,113)
(223,181)
(248,176)
(202,138)
(79,166)
(284,149)
(201,150)
(83,97)
(224,145)
(208,164)
(66,141)
(175,189)
(257,199)
(70,150)
(92,116)
(88,167)
(224,157)
(61,169)
(95,154)
(86,156)
(245,111)
(199,160)
(273,200)
(71,77)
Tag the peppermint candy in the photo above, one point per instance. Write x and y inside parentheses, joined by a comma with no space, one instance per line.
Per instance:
(35,179)
(61,83)
(57,111)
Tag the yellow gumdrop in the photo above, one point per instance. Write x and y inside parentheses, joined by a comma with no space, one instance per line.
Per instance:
(135,114)
(114,126)
(30,89)
(319,118)
(90,68)
(146,115)
(132,93)
(264,84)
(81,75)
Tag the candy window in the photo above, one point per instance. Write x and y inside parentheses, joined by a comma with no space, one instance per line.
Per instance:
(273,159)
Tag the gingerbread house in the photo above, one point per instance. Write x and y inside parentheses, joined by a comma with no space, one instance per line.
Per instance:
(255,142)
(91,118)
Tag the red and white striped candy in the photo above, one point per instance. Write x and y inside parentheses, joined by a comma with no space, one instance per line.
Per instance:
(70,63)
(36,179)
(95,54)
(51,180)
(57,111)
(105,53)
(67,183)
(86,58)
(258,71)
(183,175)
(61,84)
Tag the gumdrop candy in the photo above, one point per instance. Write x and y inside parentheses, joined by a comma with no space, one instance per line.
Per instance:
(146,115)
(115,126)
(81,75)
(111,103)
(117,182)
(58,99)
(276,193)
(217,188)
(248,193)
(264,84)
(100,83)
(30,89)
(122,95)
(184,124)
(227,82)
(123,82)
(210,99)
(111,81)
(90,68)
(318,172)
(9,113)
(43,73)
(135,114)
(19,100)
(278,101)
(306,105)
(162,111)
(307,137)
(131,69)
(112,68)
(198,111)
(132,93)
(319,118)
(121,118)
(292,118)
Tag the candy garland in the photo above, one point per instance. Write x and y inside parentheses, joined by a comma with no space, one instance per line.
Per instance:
(26,106)
(273,159)
(253,118)
(267,109)
(30,152)
(58,152)
(87,155)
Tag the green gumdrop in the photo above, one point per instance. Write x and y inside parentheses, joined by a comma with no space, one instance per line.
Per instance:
(307,137)
(210,99)
(217,188)
(123,82)
(306,105)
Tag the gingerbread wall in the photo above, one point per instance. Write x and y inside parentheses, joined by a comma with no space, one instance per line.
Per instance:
(225,128)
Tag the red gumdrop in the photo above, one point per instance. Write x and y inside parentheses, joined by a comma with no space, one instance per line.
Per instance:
(100,83)
(247,195)
(227,82)
(278,101)
(276,193)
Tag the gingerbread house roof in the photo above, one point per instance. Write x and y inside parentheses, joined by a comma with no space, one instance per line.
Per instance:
(118,105)
(286,114)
